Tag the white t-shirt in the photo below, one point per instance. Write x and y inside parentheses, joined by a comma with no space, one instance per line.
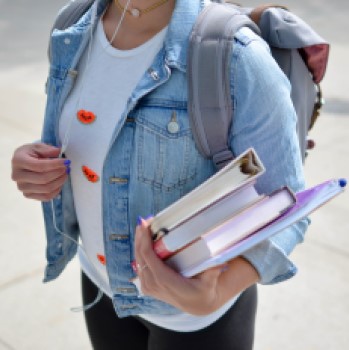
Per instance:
(103,88)
(88,121)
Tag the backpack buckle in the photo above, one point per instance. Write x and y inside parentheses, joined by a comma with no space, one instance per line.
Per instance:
(221,158)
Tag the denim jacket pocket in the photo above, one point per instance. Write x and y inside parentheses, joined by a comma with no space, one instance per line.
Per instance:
(165,150)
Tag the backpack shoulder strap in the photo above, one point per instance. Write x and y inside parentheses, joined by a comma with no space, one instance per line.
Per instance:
(69,15)
(209,98)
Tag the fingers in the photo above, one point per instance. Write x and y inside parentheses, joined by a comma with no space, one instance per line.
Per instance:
(155,276)
(46,151)
(141,251)
(197,295)
(37,175)
(146,255)
(144,249)
(29,180)
(38,158)
(142,240)
(43,192)
(140,268)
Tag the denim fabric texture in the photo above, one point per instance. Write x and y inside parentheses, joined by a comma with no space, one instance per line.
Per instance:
(156,164)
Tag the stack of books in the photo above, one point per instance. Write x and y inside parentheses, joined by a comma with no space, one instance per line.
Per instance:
(225,216)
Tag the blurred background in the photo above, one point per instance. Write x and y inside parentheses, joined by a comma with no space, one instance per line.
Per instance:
(309,312)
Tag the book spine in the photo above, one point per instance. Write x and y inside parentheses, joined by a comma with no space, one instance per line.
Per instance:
(161,250)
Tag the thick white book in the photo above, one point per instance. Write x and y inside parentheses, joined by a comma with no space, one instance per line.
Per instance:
(206,220)
(242,170)
(241,225)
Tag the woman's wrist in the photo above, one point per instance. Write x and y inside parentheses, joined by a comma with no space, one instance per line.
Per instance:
(238,275)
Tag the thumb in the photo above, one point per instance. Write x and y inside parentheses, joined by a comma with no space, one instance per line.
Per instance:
(42,150)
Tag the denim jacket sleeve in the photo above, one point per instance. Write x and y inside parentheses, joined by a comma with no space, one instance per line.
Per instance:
(264,118)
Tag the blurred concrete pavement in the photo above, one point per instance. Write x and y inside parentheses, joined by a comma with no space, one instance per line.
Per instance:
(309,312)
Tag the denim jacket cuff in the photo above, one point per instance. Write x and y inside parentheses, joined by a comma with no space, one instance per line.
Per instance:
(271,263)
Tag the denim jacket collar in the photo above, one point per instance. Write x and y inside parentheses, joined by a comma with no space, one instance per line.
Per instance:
(182,21)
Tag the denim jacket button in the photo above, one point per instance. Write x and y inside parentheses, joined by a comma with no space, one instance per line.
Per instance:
(154,74)
(125,290)
(172,127)
(118,237)
(117,180)
(67,41)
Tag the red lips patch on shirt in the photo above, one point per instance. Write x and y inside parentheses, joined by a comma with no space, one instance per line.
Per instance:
(101,259)
(86,117)
(90,174)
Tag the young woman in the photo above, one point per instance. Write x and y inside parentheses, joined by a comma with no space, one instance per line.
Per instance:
(117,145)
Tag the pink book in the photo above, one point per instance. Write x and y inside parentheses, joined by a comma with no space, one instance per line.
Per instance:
(307,201)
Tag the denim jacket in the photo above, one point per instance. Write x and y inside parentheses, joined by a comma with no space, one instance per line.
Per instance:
(149,165)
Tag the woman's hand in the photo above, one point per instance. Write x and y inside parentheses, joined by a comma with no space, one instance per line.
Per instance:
(38,172)
(198,295)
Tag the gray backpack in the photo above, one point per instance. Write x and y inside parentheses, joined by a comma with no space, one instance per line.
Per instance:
(300,52)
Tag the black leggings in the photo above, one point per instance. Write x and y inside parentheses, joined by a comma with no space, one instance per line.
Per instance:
(233,331)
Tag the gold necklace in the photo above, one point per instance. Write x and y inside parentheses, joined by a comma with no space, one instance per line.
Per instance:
(135,12)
